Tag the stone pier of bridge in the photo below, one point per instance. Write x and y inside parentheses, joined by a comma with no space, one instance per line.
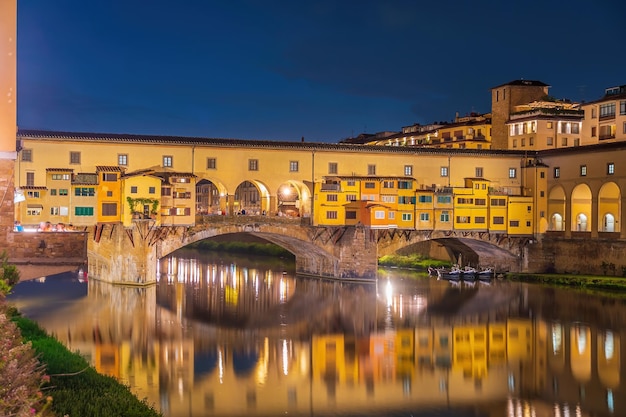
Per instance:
(130,256)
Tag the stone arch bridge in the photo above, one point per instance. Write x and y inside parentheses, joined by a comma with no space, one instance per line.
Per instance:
(130,255)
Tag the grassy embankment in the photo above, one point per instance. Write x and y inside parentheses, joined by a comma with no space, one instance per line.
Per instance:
(416,262)
(39,377)
(76,388)
(588,282)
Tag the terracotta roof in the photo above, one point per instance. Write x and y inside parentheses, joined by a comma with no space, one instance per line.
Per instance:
(44,135)
(60,169)
(33,187)
(104,168)
(85,178)
(527,83)
(367,178)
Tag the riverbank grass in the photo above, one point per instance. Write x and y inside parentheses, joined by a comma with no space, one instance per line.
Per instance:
(596,282)
(414,261)
(76,387)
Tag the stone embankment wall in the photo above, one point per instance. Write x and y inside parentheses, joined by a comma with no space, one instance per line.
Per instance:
(47,247)
(578,256)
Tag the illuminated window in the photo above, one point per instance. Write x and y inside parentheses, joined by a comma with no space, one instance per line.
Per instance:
(122,159)
(408,170)
(168,161)
(610,168)
(444,171)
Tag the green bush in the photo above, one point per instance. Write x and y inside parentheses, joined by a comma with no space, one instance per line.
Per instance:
(21,375)
(9,274)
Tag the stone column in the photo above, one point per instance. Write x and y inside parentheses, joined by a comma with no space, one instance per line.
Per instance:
(594,214)
(567,218)
(622,216)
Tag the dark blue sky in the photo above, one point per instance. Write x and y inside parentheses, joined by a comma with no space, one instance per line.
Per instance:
(280,70)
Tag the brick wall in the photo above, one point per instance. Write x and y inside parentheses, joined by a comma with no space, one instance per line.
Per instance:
(48,247)
(578,256)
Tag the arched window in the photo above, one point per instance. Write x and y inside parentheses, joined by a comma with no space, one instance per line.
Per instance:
(608,223)
(581,223)
(557,222)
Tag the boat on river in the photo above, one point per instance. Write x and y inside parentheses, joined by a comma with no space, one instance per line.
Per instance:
(486,274)
(467,273)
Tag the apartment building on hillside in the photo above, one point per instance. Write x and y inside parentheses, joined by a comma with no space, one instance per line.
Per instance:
(545,124)
(605,119)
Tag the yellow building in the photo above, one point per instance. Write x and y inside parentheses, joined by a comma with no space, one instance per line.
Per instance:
(58,201)
(424,209)
(469,132)
(470,205)
(376,202)
(141,196)
(178,198)
(84,203)
(108,194)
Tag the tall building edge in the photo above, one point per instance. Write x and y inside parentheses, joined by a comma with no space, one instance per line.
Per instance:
(8,115)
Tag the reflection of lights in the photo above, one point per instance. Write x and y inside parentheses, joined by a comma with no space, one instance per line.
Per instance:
(557,338)
(609,401)
(581,339)
(285,352)
(389,293)
(220,365)
(263,364)
(608,344)
(282,290)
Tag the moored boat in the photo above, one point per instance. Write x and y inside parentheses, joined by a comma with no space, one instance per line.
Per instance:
(486,274)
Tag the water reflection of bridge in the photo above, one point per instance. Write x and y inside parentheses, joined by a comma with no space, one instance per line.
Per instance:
(406,353)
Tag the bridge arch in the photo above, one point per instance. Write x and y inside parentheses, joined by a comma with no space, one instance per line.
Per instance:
(340,252)
(470,248)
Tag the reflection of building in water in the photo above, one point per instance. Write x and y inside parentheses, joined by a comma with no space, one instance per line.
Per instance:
(191,361)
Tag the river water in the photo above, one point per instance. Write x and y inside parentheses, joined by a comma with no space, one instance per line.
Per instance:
(221,335)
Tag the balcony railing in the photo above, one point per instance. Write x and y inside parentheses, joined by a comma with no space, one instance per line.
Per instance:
(331,187)
(607,116)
